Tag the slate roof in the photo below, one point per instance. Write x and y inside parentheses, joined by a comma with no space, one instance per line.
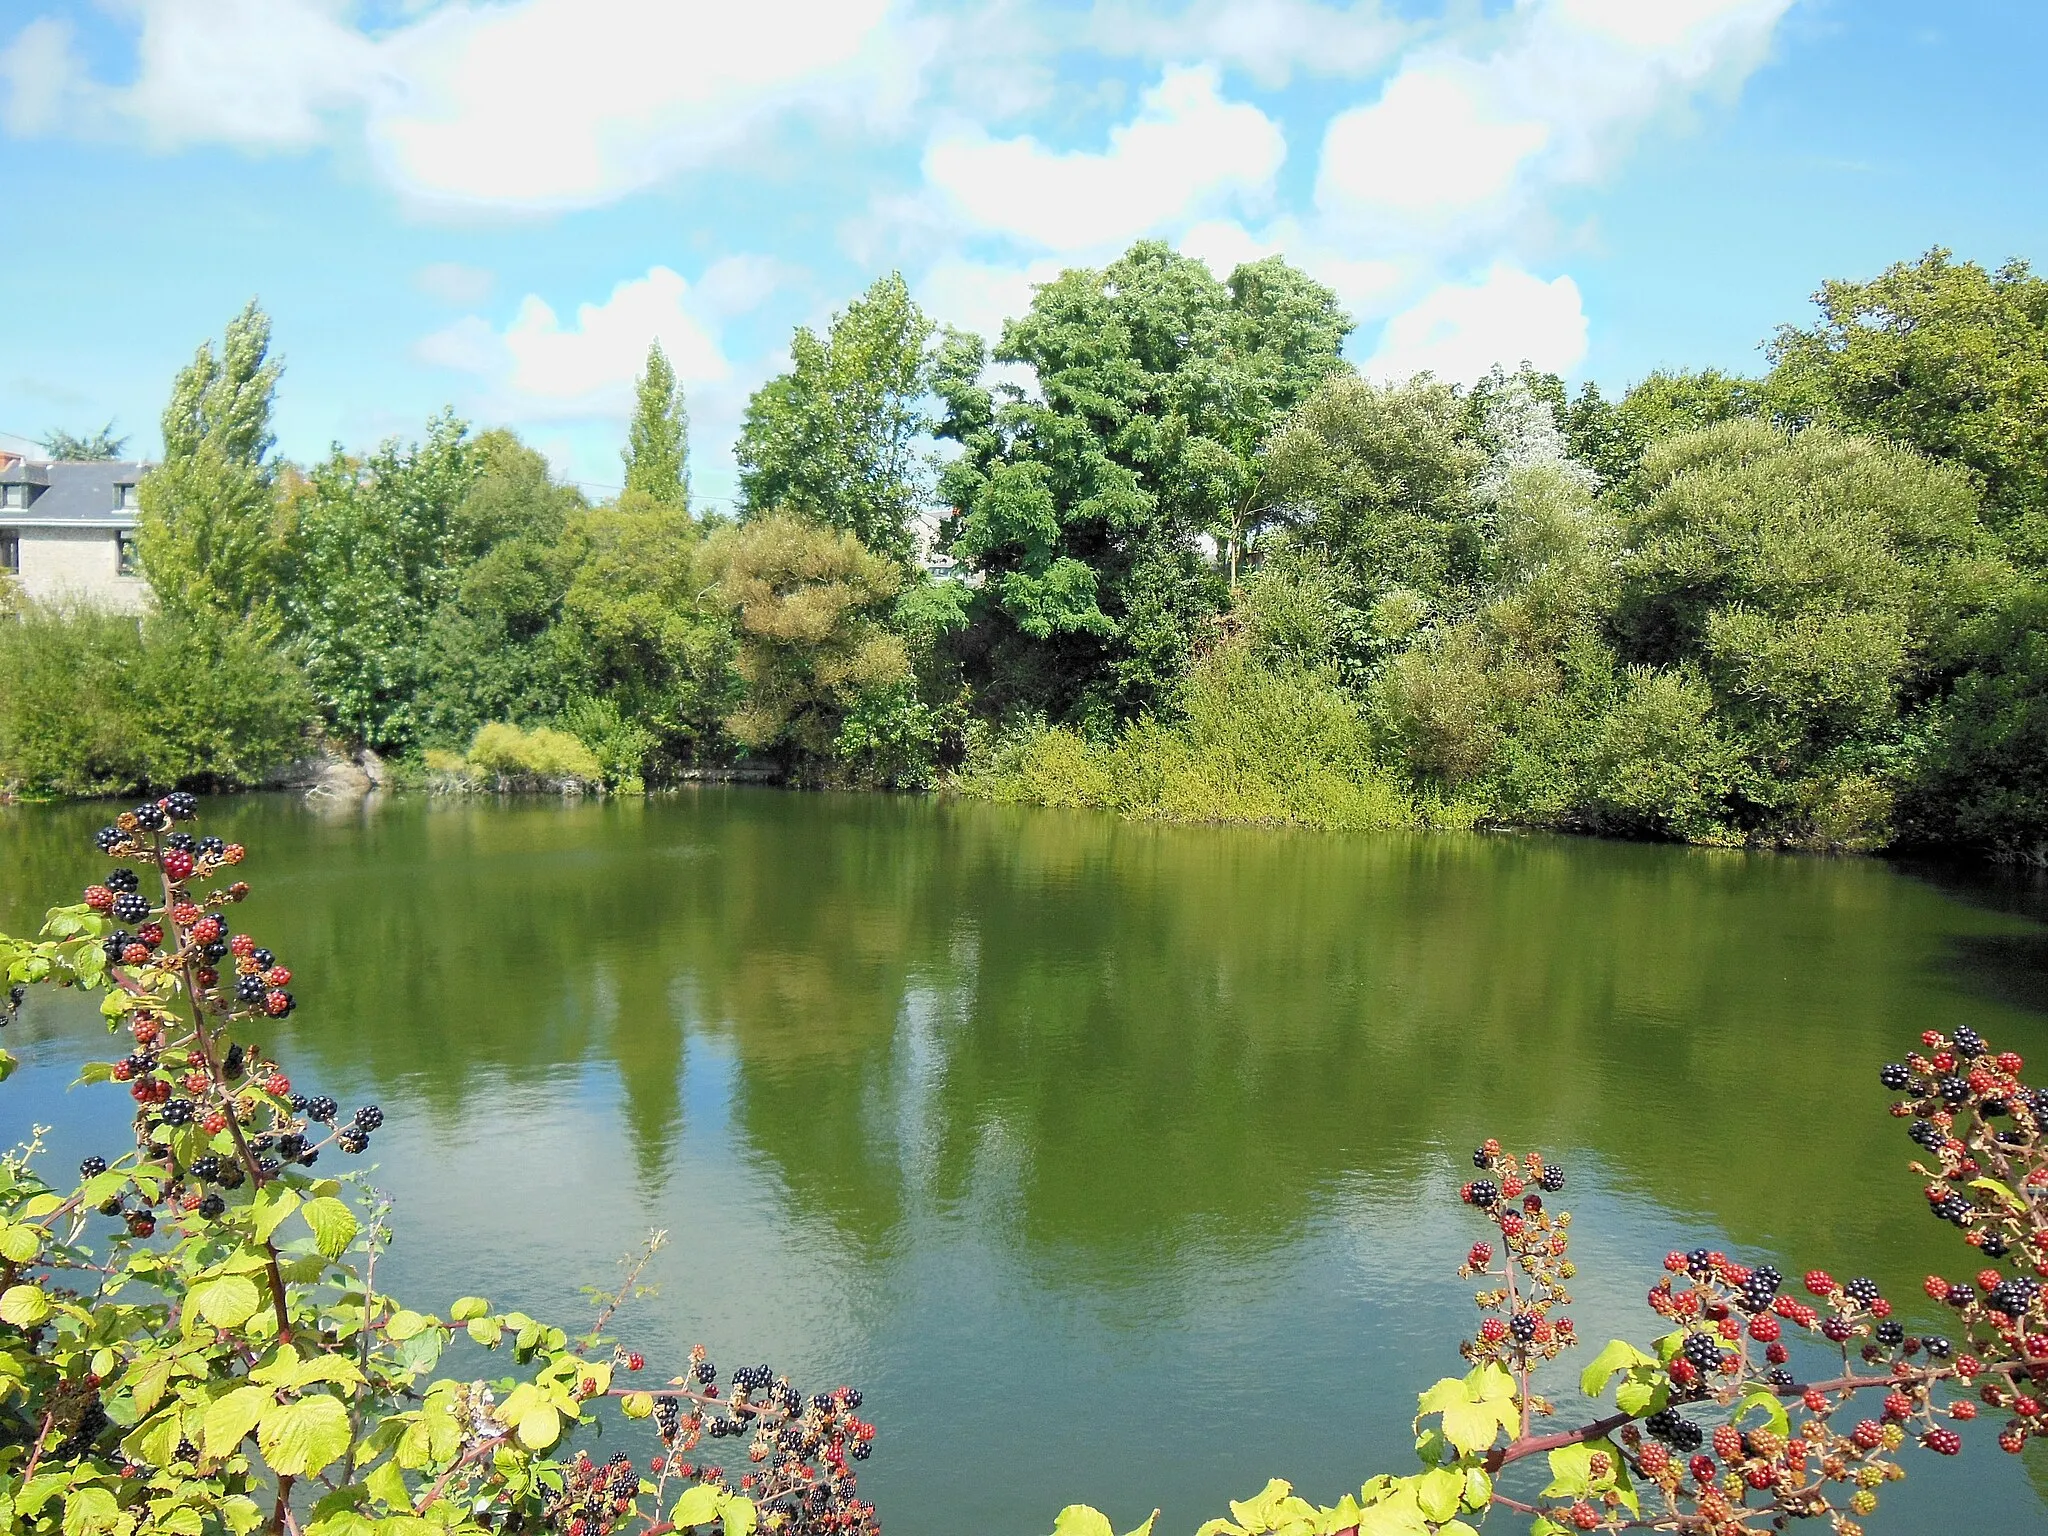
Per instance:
(73,495)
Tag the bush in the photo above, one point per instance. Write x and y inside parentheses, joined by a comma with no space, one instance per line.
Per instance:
(95,703)
(506,752)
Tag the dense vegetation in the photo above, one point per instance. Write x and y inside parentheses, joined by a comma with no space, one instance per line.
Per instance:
(1197,567)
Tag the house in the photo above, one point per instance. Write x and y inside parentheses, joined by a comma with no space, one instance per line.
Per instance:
(67,531)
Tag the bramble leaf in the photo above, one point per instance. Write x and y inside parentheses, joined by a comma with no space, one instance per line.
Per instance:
(1619,1355)
(697,1506)
(333,1224)
(233,1416)
(24,1306)
(739,1515)
(1082,1520)
(300,1439)
(227,1301)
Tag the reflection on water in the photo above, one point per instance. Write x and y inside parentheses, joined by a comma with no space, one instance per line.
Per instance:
(1114,1162)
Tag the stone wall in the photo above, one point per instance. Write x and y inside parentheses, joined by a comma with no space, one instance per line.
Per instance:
(78,564)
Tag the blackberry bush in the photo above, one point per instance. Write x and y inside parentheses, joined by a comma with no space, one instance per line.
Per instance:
(192,1341)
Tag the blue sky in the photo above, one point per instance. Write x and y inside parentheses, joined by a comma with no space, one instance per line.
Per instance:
(496,206)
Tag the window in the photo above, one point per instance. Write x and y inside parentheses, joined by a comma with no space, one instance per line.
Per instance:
(10,551)
(124,498)
(124,555)
(13,496)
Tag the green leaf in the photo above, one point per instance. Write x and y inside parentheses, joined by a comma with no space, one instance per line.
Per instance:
(739,1515)
(467,1307)
(1619,1355)
(228,1301)
(1490,1408)
(300,1439)
(404,1324)
(21,1243)
(90,1509)
(1993,1187)
(241,1514)
(24,1306)
(1640,1395)
(1082,1520)
(272,1204)
(637,1405)
(1439,1493)
(487,1331)
(539,1427)
(1146,1529)
(233,1416)
(697,1506)
(155,1441)
(333,1224)
(388,1483)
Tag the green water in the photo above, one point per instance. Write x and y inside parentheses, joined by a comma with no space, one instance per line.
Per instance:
(1115,1163)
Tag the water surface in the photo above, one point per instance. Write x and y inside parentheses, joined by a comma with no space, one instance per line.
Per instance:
(1114,1162)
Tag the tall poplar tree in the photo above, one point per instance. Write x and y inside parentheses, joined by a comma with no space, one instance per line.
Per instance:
(658,442)
(208,533)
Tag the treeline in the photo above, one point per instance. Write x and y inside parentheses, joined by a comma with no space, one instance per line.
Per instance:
(1198,568)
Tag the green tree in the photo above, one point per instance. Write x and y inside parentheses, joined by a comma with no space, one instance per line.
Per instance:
(1941,354)
(835,439)
(1081,505)
(70,448)
(208,533)
(1379,482)
(810,604)
(376,547)
(1823,586)
(657,448)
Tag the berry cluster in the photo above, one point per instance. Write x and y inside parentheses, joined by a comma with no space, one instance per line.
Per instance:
(1519,1328)
(212,1114)
(799,1449)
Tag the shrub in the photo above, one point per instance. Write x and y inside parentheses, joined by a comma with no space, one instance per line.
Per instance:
(192,1342)
(506,752)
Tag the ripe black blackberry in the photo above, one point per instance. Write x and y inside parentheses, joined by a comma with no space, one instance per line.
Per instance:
(1895,1076)
(1937,1346)
(352,1139)
(231,1064)
(177,1111)
(230,1175)
(122,880)
(1927,1134)
(322,1108)
(206,1168)
(92,1167)
(290,1146)
(1862,1290)
(705,1371)
(129,907)
(111,1206)
(1703,1350)
(1953,1090)
(264,959)
(1953,1208)
(862,1450)
(1552,1178)
(1699,1264)
(112,945)
(1993,1246)
(267,1166)
(1523,1326)
(1890,1334)
(181,806)
(212,1207)
(211,847)
(1960,1296)
(852,1397)
(249,989)
(1480,1160)
(151,816)
(370,1117)
(184,842)
(1485,1194)
(668,1417)
(216,951)
(1778,1376)
(298,1103)
(107,839)
(1969,1042)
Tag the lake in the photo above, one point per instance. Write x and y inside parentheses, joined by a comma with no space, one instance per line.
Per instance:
(1115,1163)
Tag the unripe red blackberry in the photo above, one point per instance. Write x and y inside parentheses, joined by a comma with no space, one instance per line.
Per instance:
(1944,1442)
(177,865)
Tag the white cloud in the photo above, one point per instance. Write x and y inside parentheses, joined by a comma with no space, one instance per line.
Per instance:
(737,285)
(559,103)
(1364,285)
(257,74)
(1268,39)
(1466,138)
(454,283)
(979,296)
(537,367)
(1430,143)
(527,104)
(1187,150)
(1460,330)
(42,73)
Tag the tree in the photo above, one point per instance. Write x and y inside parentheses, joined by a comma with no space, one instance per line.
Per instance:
(810,604)
(208,534)
(65,448)
(1823,585)
(835,439)
(1082,506)
(1379,481)
(1941,354)
(658,441)
(376,548)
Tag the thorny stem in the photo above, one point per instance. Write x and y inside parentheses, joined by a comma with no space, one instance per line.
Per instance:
(355,1407)
(282,1512)
(36,1455)
(656,1240)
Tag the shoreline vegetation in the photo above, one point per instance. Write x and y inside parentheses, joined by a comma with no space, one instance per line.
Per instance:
(1185,564)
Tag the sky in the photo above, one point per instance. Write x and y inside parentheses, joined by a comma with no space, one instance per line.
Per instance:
(497,206)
